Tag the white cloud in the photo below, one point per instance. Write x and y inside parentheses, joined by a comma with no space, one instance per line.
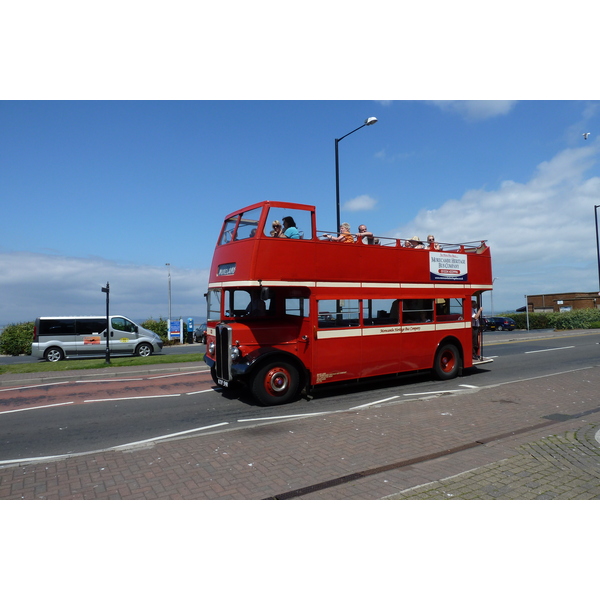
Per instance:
(476,110)
(363,202)
(32,285)
(542,232)
(382,155)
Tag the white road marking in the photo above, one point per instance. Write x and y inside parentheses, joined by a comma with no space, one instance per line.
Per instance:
(438,392)
(376,402)
(285,417)
(109,380)
(199,392)
(170,435)
(549,349)
(176,375)
(4,412)
(28,387)
(133,398)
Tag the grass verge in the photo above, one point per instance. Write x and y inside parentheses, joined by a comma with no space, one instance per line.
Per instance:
(99,363)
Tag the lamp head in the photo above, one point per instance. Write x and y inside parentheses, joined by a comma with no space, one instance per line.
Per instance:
(371,121)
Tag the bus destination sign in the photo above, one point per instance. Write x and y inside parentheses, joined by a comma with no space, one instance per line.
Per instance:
(226,269)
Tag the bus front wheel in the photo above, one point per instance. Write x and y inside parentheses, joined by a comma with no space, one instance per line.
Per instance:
(275,383)
(447,363)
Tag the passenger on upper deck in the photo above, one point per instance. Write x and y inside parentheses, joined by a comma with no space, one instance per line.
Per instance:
(433,245)
(366,236)
(289,229)
(414,242)
(276,231)
(345,235)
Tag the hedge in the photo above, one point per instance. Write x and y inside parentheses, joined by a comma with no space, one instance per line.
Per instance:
(16,338)
(587,318)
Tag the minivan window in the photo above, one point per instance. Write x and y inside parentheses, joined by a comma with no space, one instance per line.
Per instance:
(57,327)
(90,326)
(121,324)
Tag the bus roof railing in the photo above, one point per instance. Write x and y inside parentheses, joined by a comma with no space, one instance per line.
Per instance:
(390,242)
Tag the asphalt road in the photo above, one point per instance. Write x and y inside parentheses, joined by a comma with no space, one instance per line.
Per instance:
(73,417)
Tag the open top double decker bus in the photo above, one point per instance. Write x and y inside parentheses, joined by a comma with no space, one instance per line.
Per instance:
(286,315)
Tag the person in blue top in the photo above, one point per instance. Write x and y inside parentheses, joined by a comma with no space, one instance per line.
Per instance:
(289,229)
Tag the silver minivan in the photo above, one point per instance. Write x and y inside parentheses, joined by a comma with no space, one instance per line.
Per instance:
(57,338)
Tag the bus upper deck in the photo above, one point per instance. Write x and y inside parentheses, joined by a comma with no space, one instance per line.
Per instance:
(247,254)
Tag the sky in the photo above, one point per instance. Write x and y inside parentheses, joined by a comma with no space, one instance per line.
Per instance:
(114,161)
(111,191)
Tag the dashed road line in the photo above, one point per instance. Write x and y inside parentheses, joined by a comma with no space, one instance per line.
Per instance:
(169,435)
(132,398)
(5,412)
(548,350)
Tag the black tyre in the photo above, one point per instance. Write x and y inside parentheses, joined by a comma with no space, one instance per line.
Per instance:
(144,350)
(448,363)
(54,354)
(275,383)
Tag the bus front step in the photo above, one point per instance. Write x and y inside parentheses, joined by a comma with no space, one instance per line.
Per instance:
(482,360)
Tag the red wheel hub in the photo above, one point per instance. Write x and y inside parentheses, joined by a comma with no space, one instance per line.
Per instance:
(447,361)
(277,381)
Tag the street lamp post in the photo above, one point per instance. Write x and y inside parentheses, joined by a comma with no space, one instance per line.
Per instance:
(596,207)
(106,290)
(169,279)
(369,121)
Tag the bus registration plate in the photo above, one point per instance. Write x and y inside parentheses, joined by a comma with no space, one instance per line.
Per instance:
(223,383)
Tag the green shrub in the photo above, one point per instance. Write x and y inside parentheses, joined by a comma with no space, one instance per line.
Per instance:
(573,319)
(586,318)
(536,320)
(159,327)
(16,339)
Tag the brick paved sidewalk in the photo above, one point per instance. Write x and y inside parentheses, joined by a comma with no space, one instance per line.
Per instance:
(371,453)
(557,467)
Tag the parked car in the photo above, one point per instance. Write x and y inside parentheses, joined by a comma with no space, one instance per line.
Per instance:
(200,334)
(503,323)
(488,324)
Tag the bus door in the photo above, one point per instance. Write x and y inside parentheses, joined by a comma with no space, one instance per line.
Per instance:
(337,347)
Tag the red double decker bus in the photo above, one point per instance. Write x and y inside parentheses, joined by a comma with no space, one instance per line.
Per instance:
(288,314)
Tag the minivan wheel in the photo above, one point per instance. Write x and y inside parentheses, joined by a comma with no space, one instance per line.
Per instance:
(54,354)
(144,350)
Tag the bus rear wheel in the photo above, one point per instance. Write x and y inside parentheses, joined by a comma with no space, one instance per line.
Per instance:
(275,383)
(447,363)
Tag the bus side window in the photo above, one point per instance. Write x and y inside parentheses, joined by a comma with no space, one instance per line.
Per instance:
(417,311)
(382,311)
(338,313)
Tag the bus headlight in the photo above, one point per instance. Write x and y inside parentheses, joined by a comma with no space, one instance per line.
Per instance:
(235,353)
(211,348)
